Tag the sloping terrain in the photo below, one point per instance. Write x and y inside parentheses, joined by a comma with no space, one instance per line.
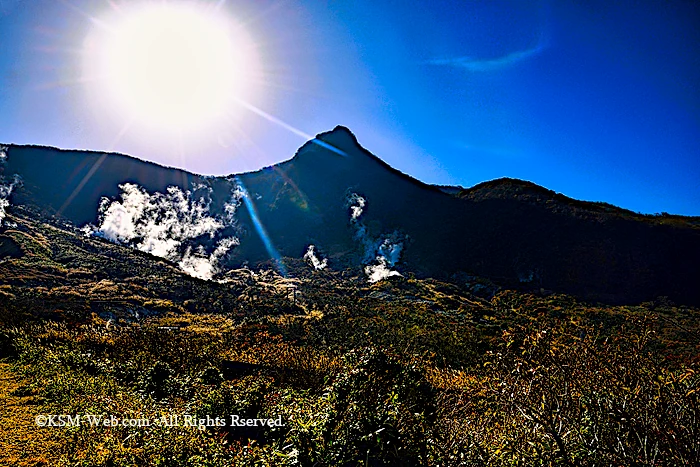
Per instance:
(405,371)
(47,271)
(22,443)
(514,233)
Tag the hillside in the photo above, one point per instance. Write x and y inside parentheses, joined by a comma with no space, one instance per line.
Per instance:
(405,371)
(360,366)
(514,233)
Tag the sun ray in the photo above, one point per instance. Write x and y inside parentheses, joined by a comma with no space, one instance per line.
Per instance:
(115,6)
(302,196)
(260,229)
(82,183)
(288,127)
(96,21)
(94,168)
(63,84)
(46,31)
(288,88)
(58,50)
(252,162)
(264,13)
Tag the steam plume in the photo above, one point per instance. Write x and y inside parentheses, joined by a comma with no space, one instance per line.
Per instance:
(357,205)
(169,225)
(311,258)
(380,254)
(380,271)
(6,188)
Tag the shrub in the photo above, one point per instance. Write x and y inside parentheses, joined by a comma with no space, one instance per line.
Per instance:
(381,412)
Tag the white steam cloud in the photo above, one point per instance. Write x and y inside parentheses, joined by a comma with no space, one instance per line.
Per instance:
(380,254)
(168,225)
(205,266)
(4,204)
(388,255)
(380,271)
(357,205)
(390,250)
(157,223)
(311,258)
(6,188)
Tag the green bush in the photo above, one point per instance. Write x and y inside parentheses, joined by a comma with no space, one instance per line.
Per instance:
(381,412)
(158,380)
(8,348)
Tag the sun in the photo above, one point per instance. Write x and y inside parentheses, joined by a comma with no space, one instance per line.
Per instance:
(171,65)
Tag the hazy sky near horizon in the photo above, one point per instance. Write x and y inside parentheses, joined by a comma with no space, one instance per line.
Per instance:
(598,100)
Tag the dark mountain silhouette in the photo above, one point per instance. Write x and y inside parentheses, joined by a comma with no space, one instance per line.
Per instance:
(71,184)
(515,233)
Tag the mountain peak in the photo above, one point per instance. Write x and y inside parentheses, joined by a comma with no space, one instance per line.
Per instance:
(339,131)
(340,138)
(505,185)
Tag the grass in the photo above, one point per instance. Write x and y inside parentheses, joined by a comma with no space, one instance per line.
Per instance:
(401,372)
(518,380)
(22,443)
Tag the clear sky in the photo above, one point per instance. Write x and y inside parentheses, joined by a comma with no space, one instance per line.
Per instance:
(598,100)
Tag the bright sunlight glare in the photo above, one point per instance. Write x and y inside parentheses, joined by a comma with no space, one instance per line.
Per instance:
(171,66)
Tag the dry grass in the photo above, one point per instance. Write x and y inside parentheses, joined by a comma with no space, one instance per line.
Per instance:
(22,443)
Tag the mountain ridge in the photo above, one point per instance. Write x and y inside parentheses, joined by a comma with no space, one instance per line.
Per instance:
(514,232)
(513,186)
(457,190)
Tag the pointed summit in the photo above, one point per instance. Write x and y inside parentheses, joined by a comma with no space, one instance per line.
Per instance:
(339,136)
(340,141)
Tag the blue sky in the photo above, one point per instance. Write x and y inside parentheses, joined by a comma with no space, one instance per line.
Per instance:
(598,100)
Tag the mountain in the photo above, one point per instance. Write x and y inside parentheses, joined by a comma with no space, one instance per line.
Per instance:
(359,212)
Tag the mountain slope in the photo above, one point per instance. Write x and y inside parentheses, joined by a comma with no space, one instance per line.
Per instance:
(71,184)
(515,233)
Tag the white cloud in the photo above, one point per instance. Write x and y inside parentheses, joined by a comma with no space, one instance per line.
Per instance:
(490,64)
(168,225)
(6,190)
(357,205)
(311,258)
(383,252)
(380,271)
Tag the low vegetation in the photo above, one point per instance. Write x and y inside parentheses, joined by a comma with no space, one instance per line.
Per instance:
(401,372)
(515,380)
